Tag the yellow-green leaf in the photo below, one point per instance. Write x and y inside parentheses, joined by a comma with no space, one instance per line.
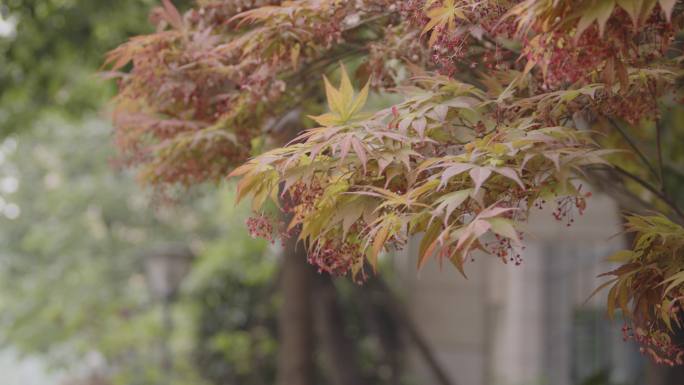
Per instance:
(504,227)
(667,6)
(360,100)
(378,243)
(622,256)
(333,95)
(428,243)
(600,12)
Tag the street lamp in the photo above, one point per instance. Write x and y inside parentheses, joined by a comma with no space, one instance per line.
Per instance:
(165,267)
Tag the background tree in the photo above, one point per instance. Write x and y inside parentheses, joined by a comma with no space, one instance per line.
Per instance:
(500,107)
(73,285)
(74,240)
(50,49)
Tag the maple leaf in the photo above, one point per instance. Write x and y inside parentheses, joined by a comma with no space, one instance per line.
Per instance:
(441,17)
(638,10)
(600,11)
(343,103)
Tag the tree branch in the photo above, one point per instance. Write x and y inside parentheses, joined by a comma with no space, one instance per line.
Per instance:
(659,149)
(658,193)
(611,184)
(632,144)
(402,317)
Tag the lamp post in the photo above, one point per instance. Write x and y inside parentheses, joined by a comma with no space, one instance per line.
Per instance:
(165,267)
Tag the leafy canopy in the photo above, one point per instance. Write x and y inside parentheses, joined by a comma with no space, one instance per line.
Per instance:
(501,106)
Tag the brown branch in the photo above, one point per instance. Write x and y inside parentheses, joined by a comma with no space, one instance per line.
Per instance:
(659,149)
(611,183)
(658,193)
(632,144)
(402,317)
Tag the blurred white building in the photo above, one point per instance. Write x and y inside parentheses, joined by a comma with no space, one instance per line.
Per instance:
(527,324)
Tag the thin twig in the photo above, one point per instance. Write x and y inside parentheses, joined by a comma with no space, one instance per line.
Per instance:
(659,149)
(624,197)
(652,189)
(654,95)
(633,145)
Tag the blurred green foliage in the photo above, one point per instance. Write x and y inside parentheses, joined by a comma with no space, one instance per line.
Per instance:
(232,291)
(74,234)
(50,51)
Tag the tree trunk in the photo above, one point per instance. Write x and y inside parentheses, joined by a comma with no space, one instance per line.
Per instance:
(295,322)
(295,356)
(337,349)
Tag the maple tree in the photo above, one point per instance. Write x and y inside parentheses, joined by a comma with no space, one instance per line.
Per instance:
(500,107)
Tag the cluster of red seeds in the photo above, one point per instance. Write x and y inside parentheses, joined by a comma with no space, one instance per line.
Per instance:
(564,62)
(449,50)
(491,18)
(301,199)
(335,258)
(632,106)
(566,206)
(260,226)
(656,345)
(568,59)
(504,249)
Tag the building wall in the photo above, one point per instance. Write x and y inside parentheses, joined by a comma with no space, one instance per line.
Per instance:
(528,324)
(451,313)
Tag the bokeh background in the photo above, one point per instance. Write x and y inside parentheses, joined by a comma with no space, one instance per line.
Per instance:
(103,282)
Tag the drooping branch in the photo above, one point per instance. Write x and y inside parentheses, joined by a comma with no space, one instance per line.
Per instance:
(402,317)
(655,191)
(635,147)
(659,150)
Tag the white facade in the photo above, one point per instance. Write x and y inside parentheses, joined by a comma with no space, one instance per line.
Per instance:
(527,324)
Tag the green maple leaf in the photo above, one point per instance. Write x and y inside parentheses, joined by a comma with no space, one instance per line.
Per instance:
(343,103)
(443,16)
